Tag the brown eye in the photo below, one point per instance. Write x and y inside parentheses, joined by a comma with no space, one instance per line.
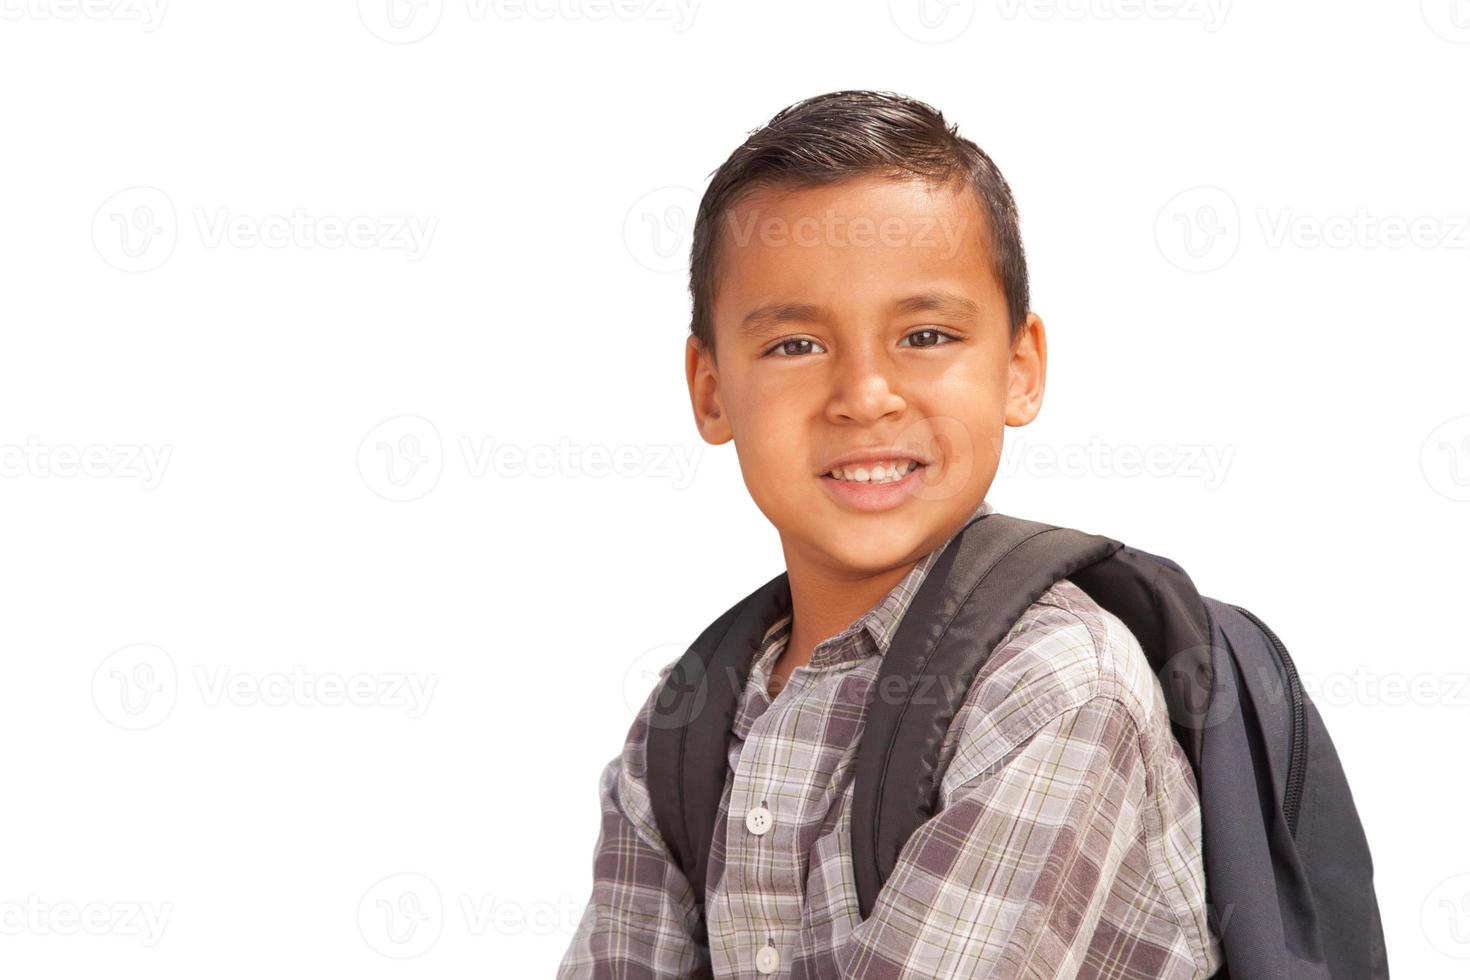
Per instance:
(784,348)
(930,330)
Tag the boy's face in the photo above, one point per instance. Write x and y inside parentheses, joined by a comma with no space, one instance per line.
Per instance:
(884,328)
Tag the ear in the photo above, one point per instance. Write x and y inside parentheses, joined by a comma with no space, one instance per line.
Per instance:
(704,394)
(1027,373)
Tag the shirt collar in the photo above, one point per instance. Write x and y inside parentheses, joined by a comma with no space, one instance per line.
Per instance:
(872,632)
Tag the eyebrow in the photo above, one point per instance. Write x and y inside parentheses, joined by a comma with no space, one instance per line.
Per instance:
(764,319)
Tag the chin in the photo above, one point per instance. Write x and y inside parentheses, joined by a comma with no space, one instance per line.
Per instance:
(875,542)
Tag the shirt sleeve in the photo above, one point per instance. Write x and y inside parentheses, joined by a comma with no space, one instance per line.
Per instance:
(640,921)
(1010,877)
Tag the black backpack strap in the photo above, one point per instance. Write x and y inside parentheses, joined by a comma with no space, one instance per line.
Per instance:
(690,726)
(1164,611)
(977,589)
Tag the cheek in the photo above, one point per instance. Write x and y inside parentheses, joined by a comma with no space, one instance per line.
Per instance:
(775,459)
(967,408)
(773,408)
(776,445)
(769,431)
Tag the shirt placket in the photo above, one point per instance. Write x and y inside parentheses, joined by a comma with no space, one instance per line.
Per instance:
(761,888)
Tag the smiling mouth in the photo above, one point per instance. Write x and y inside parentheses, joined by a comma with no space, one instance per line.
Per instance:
(874,475)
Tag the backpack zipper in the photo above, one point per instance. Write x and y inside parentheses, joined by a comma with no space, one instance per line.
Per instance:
(1296,768)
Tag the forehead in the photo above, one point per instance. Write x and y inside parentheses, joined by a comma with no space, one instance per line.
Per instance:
(855,243)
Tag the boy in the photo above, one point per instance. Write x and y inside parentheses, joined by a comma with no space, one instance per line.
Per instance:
(862,332)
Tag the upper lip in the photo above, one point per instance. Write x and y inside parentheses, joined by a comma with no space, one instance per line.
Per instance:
(877,454)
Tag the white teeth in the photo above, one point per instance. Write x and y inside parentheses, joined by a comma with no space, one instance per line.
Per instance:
(880,473)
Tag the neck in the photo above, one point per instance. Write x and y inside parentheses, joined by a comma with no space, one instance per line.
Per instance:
(825,602)
(826,598)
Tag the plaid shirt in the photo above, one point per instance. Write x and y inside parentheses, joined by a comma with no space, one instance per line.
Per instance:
(1067,843)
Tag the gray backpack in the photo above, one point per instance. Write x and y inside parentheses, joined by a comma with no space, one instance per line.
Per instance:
(1289,878)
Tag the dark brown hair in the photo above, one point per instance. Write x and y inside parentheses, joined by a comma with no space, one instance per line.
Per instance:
(841,135)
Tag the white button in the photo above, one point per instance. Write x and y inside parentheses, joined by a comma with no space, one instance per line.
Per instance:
(768,960)
(759,820)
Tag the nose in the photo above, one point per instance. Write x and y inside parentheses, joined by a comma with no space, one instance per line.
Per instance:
(865,388)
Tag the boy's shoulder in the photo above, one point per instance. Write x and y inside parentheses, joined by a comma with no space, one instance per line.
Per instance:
(1064,651)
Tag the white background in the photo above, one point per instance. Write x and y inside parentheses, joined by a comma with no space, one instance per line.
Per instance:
(161,303)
